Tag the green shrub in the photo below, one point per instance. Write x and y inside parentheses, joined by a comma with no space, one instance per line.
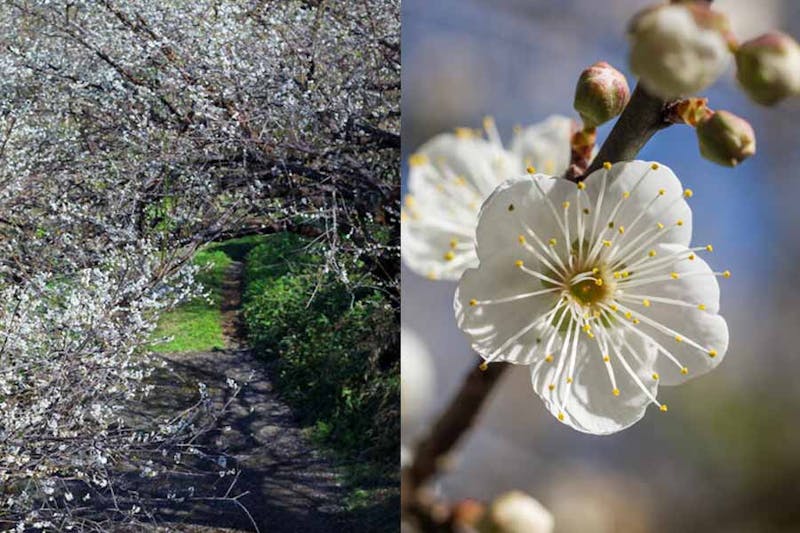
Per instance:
(331,346)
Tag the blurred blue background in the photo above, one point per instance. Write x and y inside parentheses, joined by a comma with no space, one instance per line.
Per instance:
(725,457)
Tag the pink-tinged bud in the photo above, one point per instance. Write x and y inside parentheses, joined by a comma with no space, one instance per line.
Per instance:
(768,67)
(679,49)
(516,512)
(601,94)
(468,512)
(726,139)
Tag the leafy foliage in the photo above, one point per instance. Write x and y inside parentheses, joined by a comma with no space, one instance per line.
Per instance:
(330,345)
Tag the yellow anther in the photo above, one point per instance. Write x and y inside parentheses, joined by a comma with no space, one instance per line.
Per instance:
(628,315)
(613,307)
(596,313)
(590,335)
(484,366)
(606,165)
(552,242)
(678,338)
(606,359)
(615,392)
(684,371)
(688,193)
(712,353)
(464,133)
(625,273)
(549,358)
(473,205)
(617,275)
(460,181)
(432,275)
(635,321)
(654,166)
(521,239)
(587,327)
(595,270)
(551,386)
(518,263)
(453,243)
(659,225)
(709,248)
(662,192)
(621,230)
(561,416)
(606,243)
(417,160)
(581,185)
(679,223)
(449,255)
(565,205)
(702,307)
(651,253)
(726,274)
(410,201)
(646,302)
(655,375)
(599,282)
(569,380)
(473,302)
(663,408)
(691,257)
(626,195)
(674,275)
(531,169)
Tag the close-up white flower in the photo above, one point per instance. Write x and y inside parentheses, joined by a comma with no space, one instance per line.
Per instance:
(452,174)
(596,287)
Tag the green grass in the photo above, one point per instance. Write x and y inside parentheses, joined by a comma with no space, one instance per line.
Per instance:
(197,325)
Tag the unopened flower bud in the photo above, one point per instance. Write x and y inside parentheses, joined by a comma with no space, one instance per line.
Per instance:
(768,67)
(726,139)
(601,94)
(516,512)
(679,49)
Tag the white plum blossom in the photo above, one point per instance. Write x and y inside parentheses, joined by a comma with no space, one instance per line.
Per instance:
(596,287)
(452,174)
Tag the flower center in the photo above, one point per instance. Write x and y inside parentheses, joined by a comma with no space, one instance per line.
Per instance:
(590,288)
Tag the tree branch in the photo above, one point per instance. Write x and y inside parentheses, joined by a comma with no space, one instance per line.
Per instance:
(454,422)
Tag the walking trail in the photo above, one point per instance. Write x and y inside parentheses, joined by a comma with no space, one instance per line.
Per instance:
(290,487)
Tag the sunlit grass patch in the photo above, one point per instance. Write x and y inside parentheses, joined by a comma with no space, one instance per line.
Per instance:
(197,324)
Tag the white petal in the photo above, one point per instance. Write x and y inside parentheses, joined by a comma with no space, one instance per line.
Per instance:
(588,403)
(643,184)
(545,145)
(515,205)
(491,326)
(447,184)
(696,285)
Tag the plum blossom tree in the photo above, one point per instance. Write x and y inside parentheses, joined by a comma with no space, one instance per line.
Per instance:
(132,133)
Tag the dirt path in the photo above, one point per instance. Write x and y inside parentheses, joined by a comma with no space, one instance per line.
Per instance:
(291,487)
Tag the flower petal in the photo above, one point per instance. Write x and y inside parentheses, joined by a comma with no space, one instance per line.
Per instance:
(448,180)
(545,145)
(646,194)
(492,326)
(515,208)
(588,403)
(695,285)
